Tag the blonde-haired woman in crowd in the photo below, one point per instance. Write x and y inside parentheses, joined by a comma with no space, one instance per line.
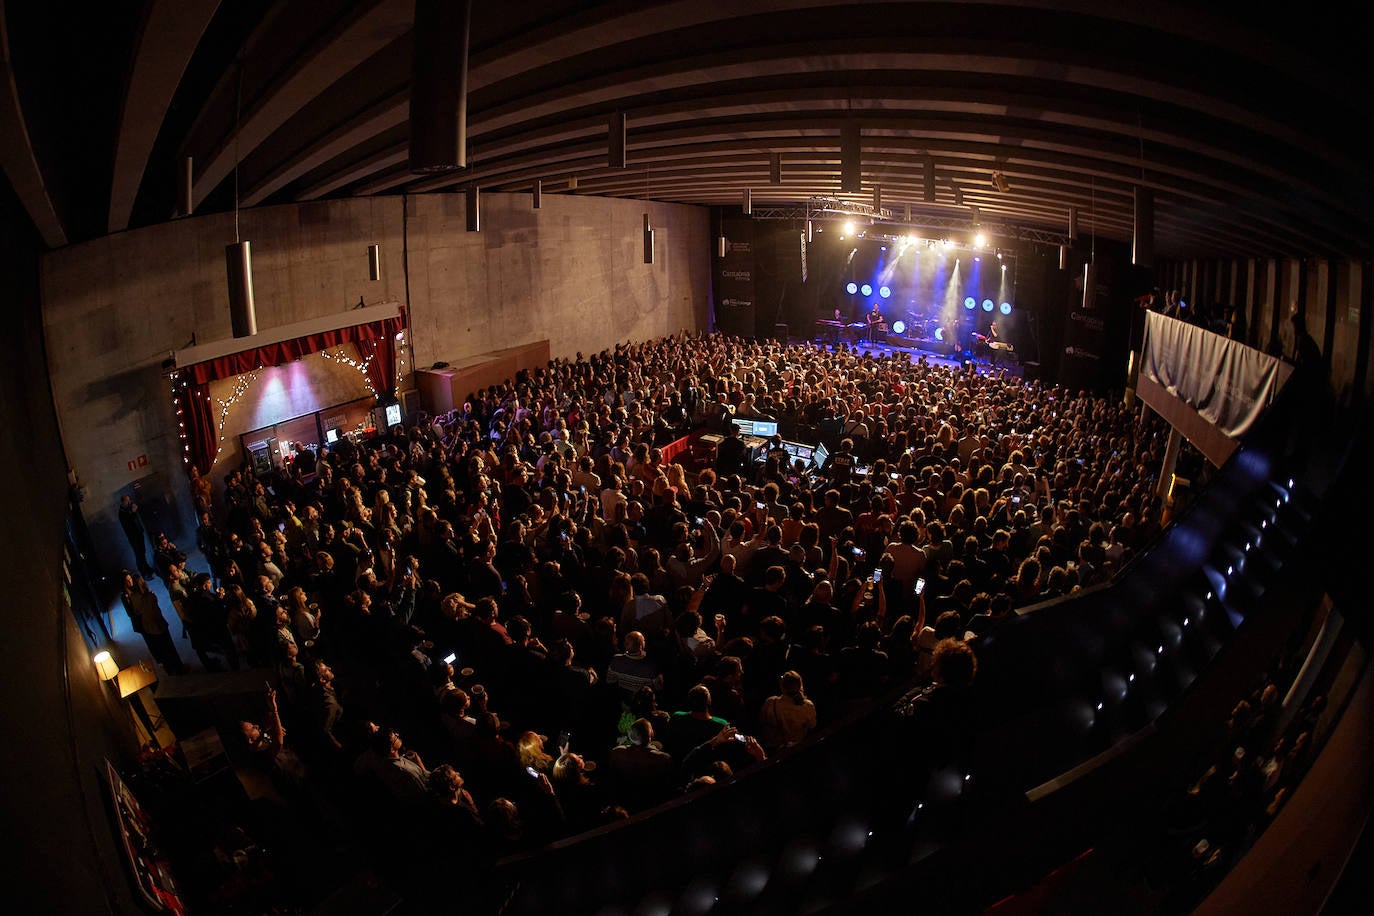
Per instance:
(786,717)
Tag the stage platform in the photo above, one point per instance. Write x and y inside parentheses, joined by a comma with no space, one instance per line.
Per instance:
(933,351)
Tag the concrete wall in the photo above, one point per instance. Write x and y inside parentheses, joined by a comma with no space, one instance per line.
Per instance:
(114,308)
(572,271)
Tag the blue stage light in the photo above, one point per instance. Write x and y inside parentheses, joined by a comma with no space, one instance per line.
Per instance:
(851,288)
(987,305)
(970,303)
(884,292)
(866,290)
(1005,308)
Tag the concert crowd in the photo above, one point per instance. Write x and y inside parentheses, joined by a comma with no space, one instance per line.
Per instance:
(517,621)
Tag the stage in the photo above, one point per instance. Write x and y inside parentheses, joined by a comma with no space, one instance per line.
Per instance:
(934,351)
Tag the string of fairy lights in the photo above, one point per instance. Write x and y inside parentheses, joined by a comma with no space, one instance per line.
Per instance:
(402,345)
(178,387)
(241,386)
(360,365)
(245,381)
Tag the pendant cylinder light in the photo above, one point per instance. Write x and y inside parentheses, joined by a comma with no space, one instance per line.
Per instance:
(439,86)
(243,318)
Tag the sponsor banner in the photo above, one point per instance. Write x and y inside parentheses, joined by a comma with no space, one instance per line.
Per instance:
(734,280)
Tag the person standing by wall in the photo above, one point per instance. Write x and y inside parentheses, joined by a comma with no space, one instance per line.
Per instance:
(137,535)
(146,618)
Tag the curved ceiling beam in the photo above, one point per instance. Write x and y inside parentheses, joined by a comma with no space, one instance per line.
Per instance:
(379,118)
(171,30)
(345,47)
(16,153)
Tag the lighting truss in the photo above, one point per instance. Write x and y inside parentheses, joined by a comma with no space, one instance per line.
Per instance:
(831,209)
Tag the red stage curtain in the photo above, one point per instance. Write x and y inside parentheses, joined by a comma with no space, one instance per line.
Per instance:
(376,339)
(195,414)
(380,335)
(381,371)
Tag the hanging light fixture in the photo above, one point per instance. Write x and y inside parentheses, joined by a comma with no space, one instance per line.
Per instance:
(439,86)
(473,208)
(185,187)
(238,257)
(648,233)
(1090,267)
(618,136)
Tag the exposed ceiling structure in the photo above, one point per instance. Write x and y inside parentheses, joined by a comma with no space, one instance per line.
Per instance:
(1244,131)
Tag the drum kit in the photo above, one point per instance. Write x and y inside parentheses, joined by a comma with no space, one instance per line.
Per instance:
(919,326)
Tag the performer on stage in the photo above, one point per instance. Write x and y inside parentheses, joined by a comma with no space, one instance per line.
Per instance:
(877,324)
(996,344)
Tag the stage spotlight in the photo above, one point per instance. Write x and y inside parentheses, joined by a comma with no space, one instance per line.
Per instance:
(970,303)
(899,326)
(885,292)
(1005,308)
(912,239)
(883,248)
(940,334)
(866,289)
(980,240)
(977,260)
(1004,268)
(849,227)
(999,254)
(947,243)
(987,305)
(851,288)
